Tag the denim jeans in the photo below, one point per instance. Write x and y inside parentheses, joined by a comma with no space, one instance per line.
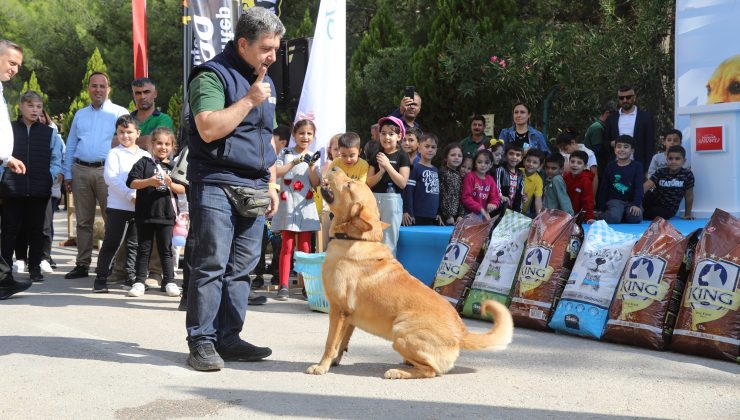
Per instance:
(617,211)
(226,249)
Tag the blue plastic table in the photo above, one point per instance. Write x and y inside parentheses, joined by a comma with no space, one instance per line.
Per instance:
(420,249)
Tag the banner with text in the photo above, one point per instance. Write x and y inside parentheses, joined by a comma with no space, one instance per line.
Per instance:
(324,87)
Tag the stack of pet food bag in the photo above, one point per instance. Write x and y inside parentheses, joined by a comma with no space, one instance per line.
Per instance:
(661,290)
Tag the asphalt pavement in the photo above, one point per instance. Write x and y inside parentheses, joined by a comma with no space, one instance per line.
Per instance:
(68,353)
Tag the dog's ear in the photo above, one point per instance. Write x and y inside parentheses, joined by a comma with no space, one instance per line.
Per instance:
(359,217)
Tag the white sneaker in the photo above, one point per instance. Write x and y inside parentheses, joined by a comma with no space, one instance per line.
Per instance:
(172,289)
(19,266)
(46,267)
(137,290)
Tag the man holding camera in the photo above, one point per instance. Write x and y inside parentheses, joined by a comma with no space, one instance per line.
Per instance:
(409,109)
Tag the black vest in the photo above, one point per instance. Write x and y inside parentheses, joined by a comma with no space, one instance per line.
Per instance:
(245,155)
(33,148)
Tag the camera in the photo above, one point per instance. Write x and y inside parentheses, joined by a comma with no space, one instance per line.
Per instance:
(409,93)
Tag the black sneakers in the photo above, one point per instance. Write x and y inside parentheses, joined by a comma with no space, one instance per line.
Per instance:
(100,285)
(80,271)
(282,294)
(243,352)
(258,282)
(36,275)
(10,286)
(255,299)
(203,357)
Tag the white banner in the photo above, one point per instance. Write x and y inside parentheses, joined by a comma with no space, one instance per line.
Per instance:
(325,86)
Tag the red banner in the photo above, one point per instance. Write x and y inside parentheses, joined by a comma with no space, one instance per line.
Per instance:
(710,139)
(138,11)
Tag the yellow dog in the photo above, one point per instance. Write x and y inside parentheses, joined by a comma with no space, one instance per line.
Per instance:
(368,288)
(724,85)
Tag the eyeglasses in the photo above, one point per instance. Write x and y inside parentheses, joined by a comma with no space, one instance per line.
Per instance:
(626,97)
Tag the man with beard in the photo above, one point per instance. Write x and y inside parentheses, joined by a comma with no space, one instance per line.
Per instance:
(477,137)
(146,113)
(408,111)
(633,122)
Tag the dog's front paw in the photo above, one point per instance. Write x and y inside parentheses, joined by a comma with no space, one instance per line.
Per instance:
(396,374)
(316,370)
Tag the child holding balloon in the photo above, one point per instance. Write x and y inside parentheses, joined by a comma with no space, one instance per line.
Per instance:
(155,210)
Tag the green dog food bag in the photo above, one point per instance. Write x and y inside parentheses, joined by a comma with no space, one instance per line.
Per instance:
(495,277)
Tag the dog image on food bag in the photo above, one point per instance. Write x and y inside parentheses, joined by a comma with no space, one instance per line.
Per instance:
(369,289)
(600,261)
(724,85)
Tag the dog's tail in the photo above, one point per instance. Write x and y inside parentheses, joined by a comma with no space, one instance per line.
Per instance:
(499,336)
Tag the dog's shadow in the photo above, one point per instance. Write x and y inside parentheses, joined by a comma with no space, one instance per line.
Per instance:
(362,369)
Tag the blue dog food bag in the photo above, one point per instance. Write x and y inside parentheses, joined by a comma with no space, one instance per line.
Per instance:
(584,305)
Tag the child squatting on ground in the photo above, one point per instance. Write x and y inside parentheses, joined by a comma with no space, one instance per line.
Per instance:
(668,186)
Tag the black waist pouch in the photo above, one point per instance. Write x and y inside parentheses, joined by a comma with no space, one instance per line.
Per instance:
(249,202)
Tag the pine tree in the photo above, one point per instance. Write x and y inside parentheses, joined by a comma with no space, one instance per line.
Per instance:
(382,33)
(174,109)
(31,84)
(94,64)
(306,28)
(452,21)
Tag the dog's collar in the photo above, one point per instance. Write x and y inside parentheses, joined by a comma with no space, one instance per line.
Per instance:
(346,237)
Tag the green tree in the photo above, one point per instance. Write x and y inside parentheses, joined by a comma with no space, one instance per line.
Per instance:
(31,84)
(94,64)
(174,110)
(383,34)
(305,29)
(453,20)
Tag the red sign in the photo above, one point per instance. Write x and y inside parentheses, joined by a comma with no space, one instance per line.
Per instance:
(710,139)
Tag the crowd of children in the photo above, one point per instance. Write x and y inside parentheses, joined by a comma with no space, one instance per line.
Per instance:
(400,170)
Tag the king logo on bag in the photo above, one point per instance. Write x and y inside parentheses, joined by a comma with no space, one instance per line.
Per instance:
(713,291)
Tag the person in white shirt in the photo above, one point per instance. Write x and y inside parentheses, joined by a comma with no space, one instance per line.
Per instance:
(121,199)
(11,57)
(631,121)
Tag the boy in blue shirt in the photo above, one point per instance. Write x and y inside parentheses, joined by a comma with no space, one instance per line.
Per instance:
(421,195)
(624,185)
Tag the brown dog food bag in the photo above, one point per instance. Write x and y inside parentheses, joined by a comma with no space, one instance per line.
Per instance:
(462,257)
(709,320)
(552,247)
(648,296)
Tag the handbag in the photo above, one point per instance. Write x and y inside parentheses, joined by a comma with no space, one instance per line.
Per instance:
(249,202)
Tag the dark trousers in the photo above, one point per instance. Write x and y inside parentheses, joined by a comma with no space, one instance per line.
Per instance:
(119,230)
(274,238)
(146,233)
(228,247)
(653,209)
(24,215)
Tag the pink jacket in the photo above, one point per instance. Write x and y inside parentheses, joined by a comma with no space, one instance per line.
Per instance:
(478,193)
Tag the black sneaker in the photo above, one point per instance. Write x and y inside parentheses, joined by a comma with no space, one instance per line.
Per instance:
(52,263)
(100,285)
(258,282)
(36,275)
(243,352)
(80,271)
(10,286)
(183,306)
(203,357)
(255,299)
(282,294)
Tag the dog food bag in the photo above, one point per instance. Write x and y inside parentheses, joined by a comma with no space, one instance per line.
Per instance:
(552,246)
(588,293)
(461,259)
(709,320)
(495,276)
(649,293)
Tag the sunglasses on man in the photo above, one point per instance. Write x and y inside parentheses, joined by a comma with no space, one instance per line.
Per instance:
(626,97)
